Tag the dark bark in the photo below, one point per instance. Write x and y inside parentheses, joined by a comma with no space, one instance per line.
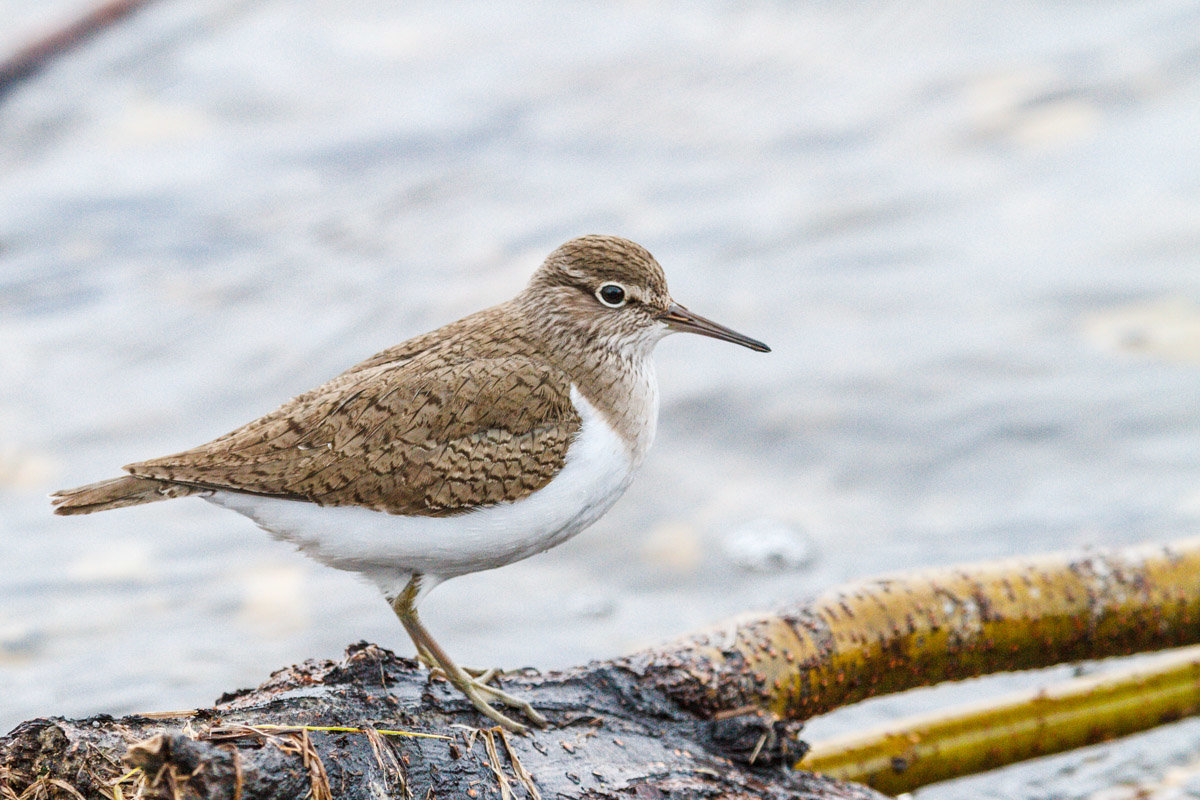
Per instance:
(715,714)
(613,735)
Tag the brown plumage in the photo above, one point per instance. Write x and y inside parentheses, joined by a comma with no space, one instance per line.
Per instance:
(116,493)
(474,413)
(453,434)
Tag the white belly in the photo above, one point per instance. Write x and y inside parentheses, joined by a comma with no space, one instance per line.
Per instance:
(389,547)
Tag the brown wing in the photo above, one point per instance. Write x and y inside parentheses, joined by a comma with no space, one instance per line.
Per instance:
(408,438)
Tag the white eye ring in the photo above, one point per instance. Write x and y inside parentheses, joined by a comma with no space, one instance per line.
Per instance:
(618,295)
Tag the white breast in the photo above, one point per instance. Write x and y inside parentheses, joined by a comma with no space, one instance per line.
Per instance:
(389,547)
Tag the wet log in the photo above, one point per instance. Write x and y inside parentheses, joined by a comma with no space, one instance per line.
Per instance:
(715,714)
(375,725)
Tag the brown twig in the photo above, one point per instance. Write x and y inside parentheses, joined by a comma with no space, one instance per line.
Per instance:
(33,57)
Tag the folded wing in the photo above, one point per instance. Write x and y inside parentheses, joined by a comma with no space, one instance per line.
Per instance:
(421,437)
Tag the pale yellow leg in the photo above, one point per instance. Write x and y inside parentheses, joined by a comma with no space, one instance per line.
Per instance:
(481,675)
(432,654)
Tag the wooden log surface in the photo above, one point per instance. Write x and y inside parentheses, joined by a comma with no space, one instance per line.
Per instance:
(612,736)
(716,713)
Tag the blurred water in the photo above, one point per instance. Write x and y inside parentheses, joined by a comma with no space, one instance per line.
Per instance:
(970,232)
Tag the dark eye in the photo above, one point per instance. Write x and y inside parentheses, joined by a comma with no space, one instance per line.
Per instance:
(611,295)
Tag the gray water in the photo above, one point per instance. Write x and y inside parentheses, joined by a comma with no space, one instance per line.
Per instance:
(970,231)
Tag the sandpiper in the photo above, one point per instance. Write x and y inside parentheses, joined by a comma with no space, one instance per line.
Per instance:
(481,443)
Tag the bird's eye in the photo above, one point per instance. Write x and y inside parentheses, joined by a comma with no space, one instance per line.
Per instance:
(611,295)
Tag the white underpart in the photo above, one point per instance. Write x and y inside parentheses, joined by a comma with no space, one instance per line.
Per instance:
(390,548)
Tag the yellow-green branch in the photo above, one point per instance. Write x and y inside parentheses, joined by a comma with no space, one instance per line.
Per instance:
(898,632)
(908,753)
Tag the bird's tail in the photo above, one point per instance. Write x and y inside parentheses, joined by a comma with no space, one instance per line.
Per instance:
(117,493)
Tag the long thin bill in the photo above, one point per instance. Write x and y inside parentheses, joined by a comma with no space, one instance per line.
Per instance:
(680,319)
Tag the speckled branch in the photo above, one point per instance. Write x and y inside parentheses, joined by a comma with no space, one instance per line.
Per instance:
(894,633)
(904,754)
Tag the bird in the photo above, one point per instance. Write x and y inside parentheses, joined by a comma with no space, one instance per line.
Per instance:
(475,445)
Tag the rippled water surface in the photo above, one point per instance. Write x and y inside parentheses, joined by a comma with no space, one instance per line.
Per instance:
(970,231)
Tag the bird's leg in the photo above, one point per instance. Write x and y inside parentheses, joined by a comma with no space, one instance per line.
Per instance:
(475,689)
(481,675)
(430,663)
(424,657)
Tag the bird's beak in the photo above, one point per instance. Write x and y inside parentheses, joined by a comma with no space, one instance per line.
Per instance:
(679,318)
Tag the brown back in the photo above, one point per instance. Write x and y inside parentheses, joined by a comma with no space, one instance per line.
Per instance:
(465,416)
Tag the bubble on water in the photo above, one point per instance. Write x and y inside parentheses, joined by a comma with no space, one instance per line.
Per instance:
(587,604)
(767,545)
(1167,328)
(19,640)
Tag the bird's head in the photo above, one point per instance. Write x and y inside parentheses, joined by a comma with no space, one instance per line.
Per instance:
(613,292)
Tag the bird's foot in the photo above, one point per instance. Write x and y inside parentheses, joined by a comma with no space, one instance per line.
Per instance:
(481,675)
(478,689)
(476,685)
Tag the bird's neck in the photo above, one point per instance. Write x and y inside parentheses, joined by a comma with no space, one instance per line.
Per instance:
(619,381)
(625,391)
